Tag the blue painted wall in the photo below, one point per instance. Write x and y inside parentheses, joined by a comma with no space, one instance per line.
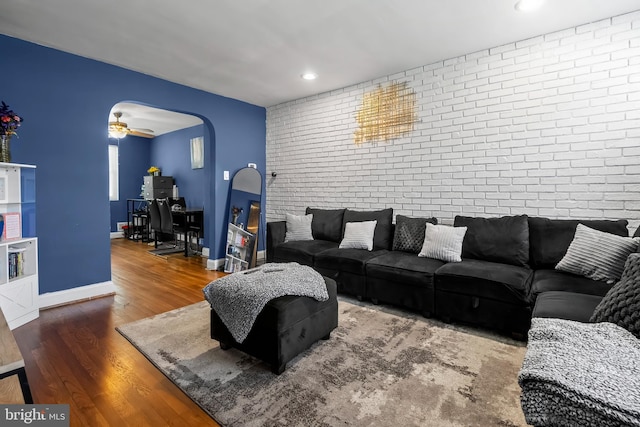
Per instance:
(65,101)
(133,161)
(171,152)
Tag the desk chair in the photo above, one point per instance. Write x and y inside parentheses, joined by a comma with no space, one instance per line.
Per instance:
(154,220)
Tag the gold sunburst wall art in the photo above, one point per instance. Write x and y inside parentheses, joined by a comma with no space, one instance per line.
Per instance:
(386,113)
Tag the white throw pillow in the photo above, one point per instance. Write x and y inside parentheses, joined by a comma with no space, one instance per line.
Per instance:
(597,255)
(298,227)
(358,235)
(443,242)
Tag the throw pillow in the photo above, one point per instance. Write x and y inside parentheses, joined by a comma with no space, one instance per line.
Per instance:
(409,233)
(383,236)
(597,255)
(549,239)
(358,235)
(621,305)
(443,242)
(298,227)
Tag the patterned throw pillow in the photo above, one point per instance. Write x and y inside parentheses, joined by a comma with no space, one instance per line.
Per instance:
(298,227)
(409,233)
(621,305)
(597,255)
(443,242)
(358,235)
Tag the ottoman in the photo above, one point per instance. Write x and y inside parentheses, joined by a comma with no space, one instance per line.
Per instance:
(285,327)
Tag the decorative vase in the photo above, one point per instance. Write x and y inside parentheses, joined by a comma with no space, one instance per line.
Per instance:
(5,148)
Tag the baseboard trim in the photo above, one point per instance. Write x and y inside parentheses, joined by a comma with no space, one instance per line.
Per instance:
(215,264)
(116,234)
(73,295)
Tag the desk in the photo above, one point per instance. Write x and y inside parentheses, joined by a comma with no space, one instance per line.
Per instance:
(138,219)
(191,220)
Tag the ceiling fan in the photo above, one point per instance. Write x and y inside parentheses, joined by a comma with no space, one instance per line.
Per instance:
(120,129)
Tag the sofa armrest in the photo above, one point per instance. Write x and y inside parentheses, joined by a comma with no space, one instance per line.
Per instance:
(276,232)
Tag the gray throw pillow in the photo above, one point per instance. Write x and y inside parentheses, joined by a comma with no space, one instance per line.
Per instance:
(621,305)
(409,233)
(597,255)
(298,227)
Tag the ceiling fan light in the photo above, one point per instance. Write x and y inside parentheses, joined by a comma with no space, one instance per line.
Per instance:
(118,131)
(309,76)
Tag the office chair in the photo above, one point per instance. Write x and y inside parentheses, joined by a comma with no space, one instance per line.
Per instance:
(154,221)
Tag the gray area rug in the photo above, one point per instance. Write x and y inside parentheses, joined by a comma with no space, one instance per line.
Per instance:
(380,367)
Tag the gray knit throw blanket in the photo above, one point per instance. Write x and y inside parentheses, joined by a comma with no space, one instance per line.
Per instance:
(580,374)
(239,297)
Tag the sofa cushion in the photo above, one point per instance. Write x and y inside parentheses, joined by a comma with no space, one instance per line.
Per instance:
(565,305)
(409,233)
(597,255)
(345,260)
(358,235)
(554,280)
(396,266)
(549,239)
(302,251)
(383,236)
(502,240)
(443,242)
(621,305)
(484,279)
(298,227)
(326,224)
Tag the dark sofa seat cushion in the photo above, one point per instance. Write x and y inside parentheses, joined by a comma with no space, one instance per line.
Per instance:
(549,239)
(554,280)
(483,279)
(403,267)
(403,279)
(383,236)
(502,240)
(565,305)
(345,260)
(302,252)
(326,224)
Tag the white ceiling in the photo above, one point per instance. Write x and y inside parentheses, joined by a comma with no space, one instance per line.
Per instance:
(152,120)
(256,50)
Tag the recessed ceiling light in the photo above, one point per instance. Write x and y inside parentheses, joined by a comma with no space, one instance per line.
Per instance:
(309,76)
(528,5)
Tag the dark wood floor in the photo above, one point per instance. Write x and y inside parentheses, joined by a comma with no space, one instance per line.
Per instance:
(74,355)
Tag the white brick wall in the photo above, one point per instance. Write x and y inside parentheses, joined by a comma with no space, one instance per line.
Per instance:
(548,126)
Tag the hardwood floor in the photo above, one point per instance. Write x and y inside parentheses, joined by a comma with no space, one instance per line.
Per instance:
(74,355)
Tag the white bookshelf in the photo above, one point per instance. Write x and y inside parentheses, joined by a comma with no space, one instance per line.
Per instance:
(239,242)
(18,246)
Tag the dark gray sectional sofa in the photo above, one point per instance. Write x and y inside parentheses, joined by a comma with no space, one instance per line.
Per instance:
(508,264)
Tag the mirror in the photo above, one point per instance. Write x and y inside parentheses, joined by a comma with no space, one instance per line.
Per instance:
(244,220)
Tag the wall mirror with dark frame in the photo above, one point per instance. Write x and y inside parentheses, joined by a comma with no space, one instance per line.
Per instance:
(244,220)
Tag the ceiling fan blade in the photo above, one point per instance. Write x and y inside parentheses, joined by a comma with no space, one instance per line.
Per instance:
(136,132)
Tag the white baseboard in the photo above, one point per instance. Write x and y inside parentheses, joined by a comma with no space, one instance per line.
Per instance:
(81,293)
(116,234)
(215,264)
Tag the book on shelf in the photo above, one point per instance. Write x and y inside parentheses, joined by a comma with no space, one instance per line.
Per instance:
(12,229)
(15,261)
